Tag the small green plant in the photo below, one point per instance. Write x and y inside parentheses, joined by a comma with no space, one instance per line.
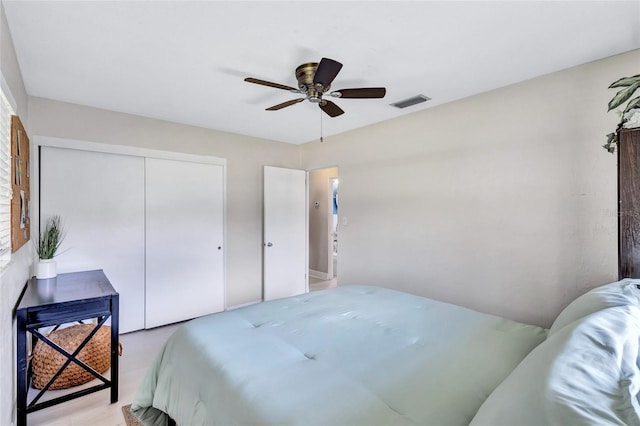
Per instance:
(50,238)
(629,86)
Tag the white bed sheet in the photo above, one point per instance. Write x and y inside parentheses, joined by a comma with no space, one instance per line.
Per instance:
(354,355)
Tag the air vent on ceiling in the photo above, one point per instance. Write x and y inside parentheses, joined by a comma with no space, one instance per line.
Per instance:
(411,101)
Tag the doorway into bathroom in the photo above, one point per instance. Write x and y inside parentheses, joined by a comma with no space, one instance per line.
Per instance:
(323,228)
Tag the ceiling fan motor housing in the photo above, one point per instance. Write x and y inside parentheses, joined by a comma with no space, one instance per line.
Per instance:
(304,75)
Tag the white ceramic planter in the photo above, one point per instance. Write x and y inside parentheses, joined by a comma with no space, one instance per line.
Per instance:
(46,268)
(47,288)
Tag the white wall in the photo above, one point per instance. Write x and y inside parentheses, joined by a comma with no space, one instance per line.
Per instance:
(504,202)
(13,278)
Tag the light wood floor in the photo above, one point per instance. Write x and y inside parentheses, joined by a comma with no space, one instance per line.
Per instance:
(316,284)
(140,348)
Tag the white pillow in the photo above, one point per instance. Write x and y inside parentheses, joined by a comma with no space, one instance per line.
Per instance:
(620,293)
(584,374)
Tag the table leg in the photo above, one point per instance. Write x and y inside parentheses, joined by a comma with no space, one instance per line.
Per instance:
(115,338)
(21,370)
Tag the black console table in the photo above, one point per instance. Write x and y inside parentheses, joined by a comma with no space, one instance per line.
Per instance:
(65,299)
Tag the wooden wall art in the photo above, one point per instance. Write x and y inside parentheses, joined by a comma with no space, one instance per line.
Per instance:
(20,200)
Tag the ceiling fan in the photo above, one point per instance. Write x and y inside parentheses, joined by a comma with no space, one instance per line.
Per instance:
(314,81)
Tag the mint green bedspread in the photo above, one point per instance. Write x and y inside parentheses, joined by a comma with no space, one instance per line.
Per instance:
(354,355)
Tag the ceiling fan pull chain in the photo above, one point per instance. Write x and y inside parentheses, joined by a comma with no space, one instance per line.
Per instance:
(321,138)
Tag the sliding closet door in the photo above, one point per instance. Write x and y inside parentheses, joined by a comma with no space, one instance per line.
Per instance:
(100,198)
(184,242)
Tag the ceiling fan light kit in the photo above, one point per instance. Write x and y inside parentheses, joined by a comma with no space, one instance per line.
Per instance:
(314,81)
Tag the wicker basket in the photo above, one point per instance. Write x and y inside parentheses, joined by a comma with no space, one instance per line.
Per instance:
(47,361)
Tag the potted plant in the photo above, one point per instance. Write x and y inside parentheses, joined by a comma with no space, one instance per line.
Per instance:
(630,116)
(48,245)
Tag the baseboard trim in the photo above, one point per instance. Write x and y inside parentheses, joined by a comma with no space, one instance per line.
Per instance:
(231,308)
(320,275)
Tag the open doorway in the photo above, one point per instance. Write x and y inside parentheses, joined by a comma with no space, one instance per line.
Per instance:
(334,227)
(323,228)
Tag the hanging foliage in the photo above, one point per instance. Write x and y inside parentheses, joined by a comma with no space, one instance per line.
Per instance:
(630,115)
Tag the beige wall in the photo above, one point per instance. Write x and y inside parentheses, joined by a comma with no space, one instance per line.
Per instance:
(18,271)
(10,69)
(14,277)
(245,158)
(320,218)
(504,202)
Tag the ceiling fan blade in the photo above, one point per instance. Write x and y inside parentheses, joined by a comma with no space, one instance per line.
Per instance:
(326,72)
(285,104)
(361,93)
(270,84)
(330,108)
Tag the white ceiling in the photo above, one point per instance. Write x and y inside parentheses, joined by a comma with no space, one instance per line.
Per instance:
(185,61)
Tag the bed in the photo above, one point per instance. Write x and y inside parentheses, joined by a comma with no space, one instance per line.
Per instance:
(359,355)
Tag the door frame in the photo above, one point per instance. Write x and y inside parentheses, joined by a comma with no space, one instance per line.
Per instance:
(330,273)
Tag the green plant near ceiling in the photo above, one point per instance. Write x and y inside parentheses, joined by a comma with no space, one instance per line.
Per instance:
(630,115)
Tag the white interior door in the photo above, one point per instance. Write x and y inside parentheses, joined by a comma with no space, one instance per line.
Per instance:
(184,244)
(285,232)
(100,199)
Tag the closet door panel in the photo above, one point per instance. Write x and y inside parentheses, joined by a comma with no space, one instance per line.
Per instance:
(184,240)
(100,199)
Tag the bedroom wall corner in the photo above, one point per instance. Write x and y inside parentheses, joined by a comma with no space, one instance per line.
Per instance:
(504,202)
(15,275)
